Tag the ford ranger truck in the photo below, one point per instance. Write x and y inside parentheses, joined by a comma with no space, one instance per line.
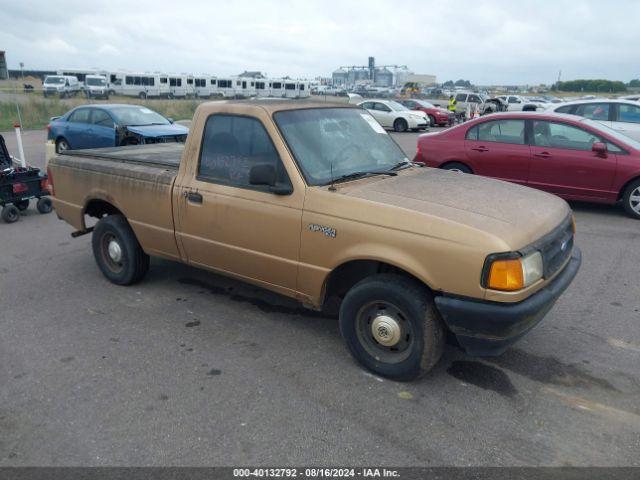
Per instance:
(318,203)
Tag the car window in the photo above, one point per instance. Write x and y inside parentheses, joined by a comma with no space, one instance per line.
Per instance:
(561,135)
(628,113)
(381,107)
(594,111)
(514,100)
(472,134)
(232,145)
(474,99)
(461,97)
(100,117)
(367,105)
(502,131)
(565,109)
(80,116)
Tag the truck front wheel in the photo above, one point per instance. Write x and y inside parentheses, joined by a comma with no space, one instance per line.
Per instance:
(117,251)
(392,327)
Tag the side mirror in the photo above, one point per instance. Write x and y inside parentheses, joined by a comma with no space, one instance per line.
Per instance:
(265,174)
(599,147)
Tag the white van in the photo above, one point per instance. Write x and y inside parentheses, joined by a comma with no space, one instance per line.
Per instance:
(141,85)
(96,86)
(291,89)
(304,89)
(247,87)
(61,85)
(263,88)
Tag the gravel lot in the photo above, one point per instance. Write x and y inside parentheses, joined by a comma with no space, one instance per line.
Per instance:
(189,368)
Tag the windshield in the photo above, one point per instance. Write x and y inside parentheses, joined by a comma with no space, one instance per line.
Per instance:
(54,80)
(329,143)
(613,133)
(96,82)
(138,116)
(398,107)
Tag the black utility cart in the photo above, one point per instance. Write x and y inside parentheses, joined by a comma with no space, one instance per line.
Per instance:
(18,185)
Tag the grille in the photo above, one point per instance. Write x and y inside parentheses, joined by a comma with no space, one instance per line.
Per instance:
(556,248)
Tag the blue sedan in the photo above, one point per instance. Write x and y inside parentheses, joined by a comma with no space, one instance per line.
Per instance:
(112,125)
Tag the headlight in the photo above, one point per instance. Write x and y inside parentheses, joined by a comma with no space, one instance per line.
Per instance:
(514,273)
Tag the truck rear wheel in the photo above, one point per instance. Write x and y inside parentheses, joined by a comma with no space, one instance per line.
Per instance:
(392,327)
(117,251)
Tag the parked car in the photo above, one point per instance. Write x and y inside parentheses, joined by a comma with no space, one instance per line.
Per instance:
(61,85)
(575,158)
(516,103)
(112,125)
(391,114)
(437,115)
(95,86)
(311,201)
(621,115)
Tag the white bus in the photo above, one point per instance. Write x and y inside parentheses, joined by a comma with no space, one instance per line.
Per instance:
(276,88)
(177,85)
(225,87)
(247,87)
(263,88)
(203,86)
(191,87)
(137,84)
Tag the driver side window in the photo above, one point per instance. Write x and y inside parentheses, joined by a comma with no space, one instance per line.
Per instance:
(561,135)
(231,146)
(381,107)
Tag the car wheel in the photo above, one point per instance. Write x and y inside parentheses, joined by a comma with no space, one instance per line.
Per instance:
(117,251)
(10,214)
(432,120)
(44,205)
(456,167)
(631,199)
(142,95)
(22,205)
(62,145)
(400,125)
(391,326)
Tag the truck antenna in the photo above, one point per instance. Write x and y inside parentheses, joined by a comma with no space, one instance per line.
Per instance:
(332,187)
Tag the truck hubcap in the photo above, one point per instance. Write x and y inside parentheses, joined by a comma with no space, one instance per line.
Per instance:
(385,330)
(115,251)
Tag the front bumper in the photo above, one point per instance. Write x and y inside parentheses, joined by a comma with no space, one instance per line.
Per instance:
(485,328)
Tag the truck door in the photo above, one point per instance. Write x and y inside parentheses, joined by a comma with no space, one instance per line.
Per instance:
(230,225)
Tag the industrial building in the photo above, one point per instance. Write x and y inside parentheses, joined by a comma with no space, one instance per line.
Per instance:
(380,76)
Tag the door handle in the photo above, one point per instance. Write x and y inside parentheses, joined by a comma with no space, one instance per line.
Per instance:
(543,154)
(194,197)
(480,149)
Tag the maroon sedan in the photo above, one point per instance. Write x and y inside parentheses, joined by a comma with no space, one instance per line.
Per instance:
(575,158)
(437,115)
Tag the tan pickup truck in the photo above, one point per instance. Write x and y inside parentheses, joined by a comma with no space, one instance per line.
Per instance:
(317,202)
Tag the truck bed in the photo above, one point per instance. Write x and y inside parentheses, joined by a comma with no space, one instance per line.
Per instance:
(159,154)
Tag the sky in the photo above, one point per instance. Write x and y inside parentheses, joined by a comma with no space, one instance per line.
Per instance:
(487,42)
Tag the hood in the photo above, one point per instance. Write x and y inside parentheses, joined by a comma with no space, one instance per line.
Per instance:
(514,214)
(158,130)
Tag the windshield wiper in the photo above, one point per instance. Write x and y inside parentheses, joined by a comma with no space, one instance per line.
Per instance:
(354,175)
(401,166)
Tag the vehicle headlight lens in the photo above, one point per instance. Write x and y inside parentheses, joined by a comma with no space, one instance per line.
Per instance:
(515,273)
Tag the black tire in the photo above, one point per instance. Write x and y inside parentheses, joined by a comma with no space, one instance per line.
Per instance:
(61,145)
(432,121)
(124,264)
(10,214)
(631,199)
(22,205)
(142,95)
(44,205)
(457,167)
(419,335)
(400,125)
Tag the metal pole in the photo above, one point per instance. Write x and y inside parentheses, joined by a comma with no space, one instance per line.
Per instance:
(23,162)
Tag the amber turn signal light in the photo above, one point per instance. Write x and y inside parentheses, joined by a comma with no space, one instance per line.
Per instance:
(506,275)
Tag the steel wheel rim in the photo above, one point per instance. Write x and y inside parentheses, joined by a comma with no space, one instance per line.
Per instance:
(112,252)
(634,200)
(375,315)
